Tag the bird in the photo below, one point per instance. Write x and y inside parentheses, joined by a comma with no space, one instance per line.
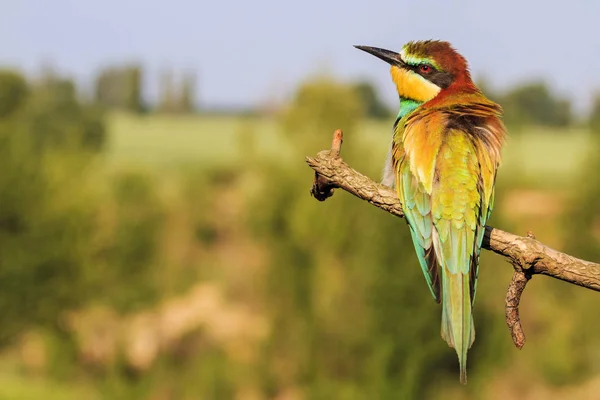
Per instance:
(443,161)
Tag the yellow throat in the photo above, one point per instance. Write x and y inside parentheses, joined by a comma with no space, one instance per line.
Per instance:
(411,85)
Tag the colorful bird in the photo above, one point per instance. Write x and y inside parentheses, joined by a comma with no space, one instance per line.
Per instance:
(445,151)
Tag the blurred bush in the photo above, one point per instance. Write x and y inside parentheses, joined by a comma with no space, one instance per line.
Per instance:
(575,350)
(530,104)
(594,117)
(320,106)
(129,256)
(583,221)
(534,104)
(369,97)
(47,139)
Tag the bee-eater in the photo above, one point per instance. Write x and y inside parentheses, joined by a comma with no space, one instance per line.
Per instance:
(445,151)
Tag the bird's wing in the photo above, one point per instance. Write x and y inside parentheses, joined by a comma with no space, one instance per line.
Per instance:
(477,118)
(457,205)
(488,164)
(445,180)
(414,152)
(416,204)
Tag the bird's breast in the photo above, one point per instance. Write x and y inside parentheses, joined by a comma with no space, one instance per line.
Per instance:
(422,140)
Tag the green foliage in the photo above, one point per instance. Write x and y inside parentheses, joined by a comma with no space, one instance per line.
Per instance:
(534,104)
(530,104)
(319,107)
(584,219)
(46,217)
(131,251)
(13,92)
(56,120)
(44,230)
(594,116)
(370,98)
(572,346)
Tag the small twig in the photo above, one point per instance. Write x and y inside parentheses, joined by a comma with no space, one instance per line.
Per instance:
(513,297)
(321,188)
(336,143)
(526,254)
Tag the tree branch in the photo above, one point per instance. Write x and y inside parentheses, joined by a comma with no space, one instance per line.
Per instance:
(528,256)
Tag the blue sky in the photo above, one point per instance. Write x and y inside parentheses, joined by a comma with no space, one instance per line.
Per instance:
(246,52)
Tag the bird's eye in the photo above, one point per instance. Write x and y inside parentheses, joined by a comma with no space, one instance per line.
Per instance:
(425,68)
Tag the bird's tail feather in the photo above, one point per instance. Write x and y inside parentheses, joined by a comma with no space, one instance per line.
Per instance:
(457,320)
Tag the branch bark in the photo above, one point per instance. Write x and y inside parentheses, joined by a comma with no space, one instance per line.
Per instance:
(527,255)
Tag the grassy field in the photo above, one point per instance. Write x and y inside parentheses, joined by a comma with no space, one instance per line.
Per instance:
(166,141)
(539,157)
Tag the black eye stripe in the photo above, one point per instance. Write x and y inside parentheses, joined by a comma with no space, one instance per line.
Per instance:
(439,78)
(417,67)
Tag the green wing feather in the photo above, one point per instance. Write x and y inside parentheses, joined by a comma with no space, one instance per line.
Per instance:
(485,212)
(417,209)
(416,204)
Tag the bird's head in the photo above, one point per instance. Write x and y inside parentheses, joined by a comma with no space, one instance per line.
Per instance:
(425,68)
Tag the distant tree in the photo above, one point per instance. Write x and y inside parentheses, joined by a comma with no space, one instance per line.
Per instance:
(187,94)
(167,98)
(534,104)
(133,94)
(107,89)
(177,98)
(320,106)
(13,92)
(594,116)
(374,107)
(120,88)
(56,119)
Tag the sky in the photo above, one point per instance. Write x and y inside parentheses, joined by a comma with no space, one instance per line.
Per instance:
(249,52)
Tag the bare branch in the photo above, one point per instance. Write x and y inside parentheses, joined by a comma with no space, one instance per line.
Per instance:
(528,256)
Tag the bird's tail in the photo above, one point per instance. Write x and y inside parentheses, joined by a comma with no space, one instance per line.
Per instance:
(457,320)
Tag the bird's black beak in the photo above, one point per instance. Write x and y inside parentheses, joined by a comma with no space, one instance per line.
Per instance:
(386,55)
